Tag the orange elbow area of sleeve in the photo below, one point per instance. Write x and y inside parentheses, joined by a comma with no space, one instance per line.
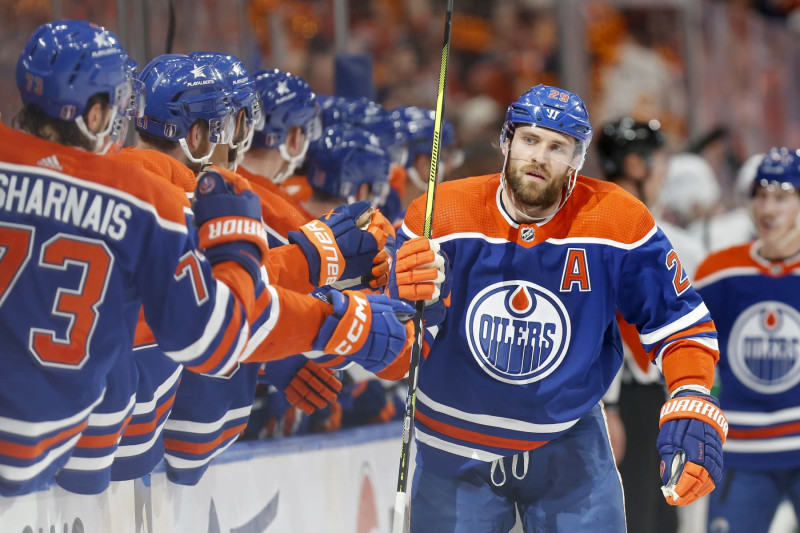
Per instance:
(688,363)
(301,317)
(239,282)
(287,266)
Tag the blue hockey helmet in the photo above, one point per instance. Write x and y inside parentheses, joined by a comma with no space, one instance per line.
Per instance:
(417,125)
(332,110)
(344,158)
(554,109)
(287,101)
(179,91)
(65,63)
(241,87)
(779,168)
(373,117)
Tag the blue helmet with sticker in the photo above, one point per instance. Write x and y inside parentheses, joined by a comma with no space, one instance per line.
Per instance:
(417,125)
(287,101)
(179,92)
(781,168)
(344,159)
(66,62)
(238,83)
(554,109)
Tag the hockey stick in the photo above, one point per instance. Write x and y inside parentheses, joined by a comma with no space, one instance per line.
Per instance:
(400,524)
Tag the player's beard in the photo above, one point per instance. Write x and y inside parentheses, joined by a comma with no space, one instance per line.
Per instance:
(540,194)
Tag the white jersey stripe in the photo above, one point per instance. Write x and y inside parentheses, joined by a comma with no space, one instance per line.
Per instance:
(215,324)
(205,428)
(148,407)
(687,320)
(111,419)
(762,445)
(493,421)
(456,449)
(746,418)
(37,429)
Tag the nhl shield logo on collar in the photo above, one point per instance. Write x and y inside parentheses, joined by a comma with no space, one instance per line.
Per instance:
(527,234)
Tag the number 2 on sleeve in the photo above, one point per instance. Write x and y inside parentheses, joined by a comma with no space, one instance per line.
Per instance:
(679,279)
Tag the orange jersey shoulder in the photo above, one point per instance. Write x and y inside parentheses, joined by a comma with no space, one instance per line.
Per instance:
(736,256)
(462,206)
(596,209)
(23,149)
(602,210)
(270,186)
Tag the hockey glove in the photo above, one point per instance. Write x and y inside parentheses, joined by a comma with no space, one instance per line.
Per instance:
(690,440)
(307,385)
(422,272)
(228,216)
(336,247)
(367,329)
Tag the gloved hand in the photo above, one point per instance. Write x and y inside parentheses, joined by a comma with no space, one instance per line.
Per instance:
(307,385)
(336,247)
(690,440)
(422,272)
(367,329)
(228,216)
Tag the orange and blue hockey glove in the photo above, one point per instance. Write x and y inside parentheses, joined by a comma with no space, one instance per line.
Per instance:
(337,247)
(369,329)
(690,440)
(228,217)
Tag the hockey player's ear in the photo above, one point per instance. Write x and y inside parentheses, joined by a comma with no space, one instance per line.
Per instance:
(97,117)
(504,147)
(295,139)
(197,139)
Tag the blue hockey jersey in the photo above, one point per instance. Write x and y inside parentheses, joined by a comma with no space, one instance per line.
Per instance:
(756,306)
(85,242)
(529,343)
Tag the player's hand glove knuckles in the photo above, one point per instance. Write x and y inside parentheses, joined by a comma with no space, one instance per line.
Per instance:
(228,216)
(365,328)
(337,247)
(422,271)
(307,385)
(690,440)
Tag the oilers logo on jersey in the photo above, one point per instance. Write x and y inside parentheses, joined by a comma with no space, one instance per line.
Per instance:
(764,347)
(517,331)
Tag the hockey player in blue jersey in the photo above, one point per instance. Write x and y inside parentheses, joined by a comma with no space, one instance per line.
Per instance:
(753,292)
(526,344)
(85,242)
